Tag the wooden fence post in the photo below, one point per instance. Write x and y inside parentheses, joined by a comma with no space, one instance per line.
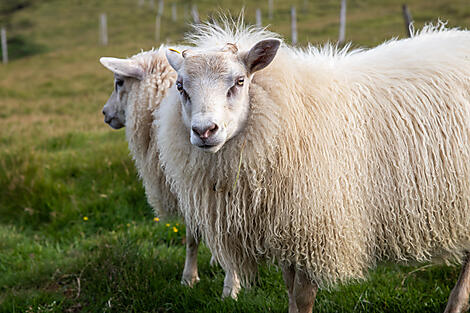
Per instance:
(174,16)
(185,11)
(408,19)
(160,7)
(293,16)
(157,28)
(270,9)
(103,29)
(258,18)
(4,46)
(342,23)
(195,14)
(305,5)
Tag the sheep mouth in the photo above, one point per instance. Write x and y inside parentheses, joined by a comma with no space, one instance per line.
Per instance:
(210,148)
(211,145)
(206,146)
(114,123)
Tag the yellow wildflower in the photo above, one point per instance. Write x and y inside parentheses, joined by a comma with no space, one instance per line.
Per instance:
(85,218)
(167,225)
(175,229)
(128,225)
(156,219)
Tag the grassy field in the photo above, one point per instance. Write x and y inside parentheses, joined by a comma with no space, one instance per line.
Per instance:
(76,233)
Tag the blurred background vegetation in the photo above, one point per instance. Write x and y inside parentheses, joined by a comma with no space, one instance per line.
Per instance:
(76,233)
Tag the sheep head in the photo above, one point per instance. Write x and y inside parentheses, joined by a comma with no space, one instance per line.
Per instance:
(213,87)
(125,70)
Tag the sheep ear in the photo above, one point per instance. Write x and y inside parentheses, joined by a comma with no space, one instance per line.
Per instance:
(175,58)
(261,54)
(123,67)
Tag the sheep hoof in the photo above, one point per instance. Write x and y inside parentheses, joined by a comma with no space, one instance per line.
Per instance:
(189,281)
(231,285)
(230,292)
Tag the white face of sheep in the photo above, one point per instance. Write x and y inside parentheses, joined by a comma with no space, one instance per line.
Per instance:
(125,71)
(214,88)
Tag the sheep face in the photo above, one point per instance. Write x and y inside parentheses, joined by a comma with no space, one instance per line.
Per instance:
(114,110)
(213,87)
(125,71)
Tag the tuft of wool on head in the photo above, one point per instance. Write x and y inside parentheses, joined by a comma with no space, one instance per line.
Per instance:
(225,29)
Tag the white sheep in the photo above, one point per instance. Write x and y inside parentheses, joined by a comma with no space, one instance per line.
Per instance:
(140,84)
(325,161)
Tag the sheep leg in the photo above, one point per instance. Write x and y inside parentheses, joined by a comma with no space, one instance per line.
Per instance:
(190,276)
(288,273)
(231,281)
(304,292)
(231,284)
(458,299)
(213,261)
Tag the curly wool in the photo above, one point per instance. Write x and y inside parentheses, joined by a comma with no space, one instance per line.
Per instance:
(143,99)
(348,159)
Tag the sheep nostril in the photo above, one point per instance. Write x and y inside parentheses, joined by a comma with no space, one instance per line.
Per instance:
(205,132)
(211,130)
(196,130)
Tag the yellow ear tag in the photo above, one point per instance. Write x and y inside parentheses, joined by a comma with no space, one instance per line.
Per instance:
(171,49)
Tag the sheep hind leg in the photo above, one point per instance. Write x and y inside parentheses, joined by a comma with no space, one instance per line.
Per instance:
(304,292)
(458,299)
(190,276)
(288,273)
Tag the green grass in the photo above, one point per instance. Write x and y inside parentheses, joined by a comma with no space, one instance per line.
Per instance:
(76,233)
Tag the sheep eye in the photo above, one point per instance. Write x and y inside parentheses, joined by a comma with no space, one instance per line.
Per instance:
(179,86)
(119,83)
(240,81)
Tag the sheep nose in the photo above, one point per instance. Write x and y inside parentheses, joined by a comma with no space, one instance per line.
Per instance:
(104,112)
(205,131)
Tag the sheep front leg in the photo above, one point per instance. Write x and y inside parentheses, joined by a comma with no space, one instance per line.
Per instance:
(458,299)
(231,284)
(288,273)
(190,276)
(231,281)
